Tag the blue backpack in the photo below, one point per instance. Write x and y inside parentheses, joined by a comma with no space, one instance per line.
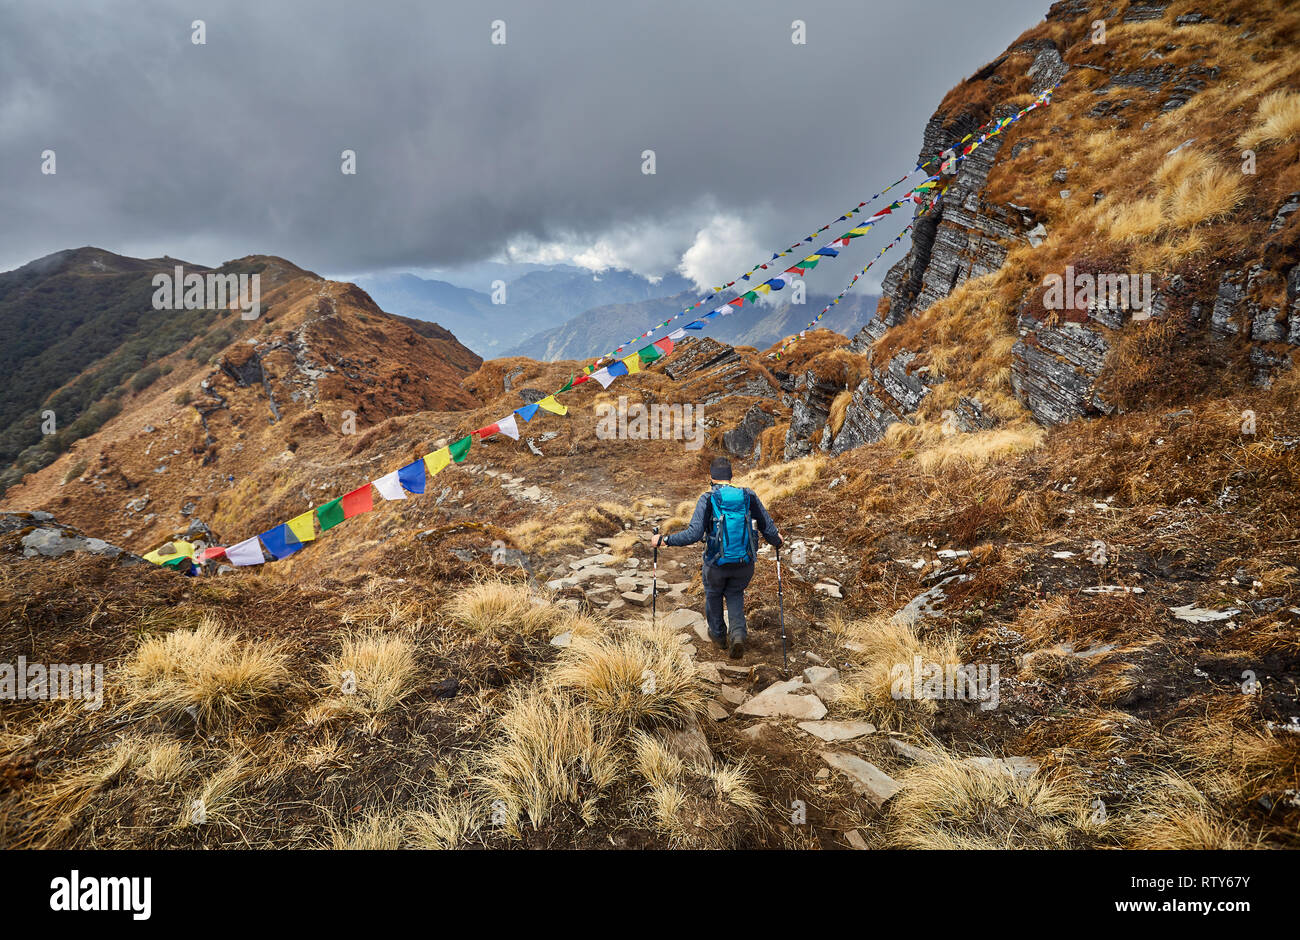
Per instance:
(731,540)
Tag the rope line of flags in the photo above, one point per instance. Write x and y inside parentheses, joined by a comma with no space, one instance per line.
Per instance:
(287,538)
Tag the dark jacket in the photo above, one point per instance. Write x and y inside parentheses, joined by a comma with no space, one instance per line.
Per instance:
(701,526)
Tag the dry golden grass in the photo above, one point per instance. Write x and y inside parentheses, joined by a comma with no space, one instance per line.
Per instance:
(1191,190)
(784,480)
(839,408)
(1276,121)
(372,833)
(1173,813)
(636,678)
(56,810)
(951,804)
(695,807)
(164,761)
(879,647)
(501,606)
(447,824)
(222,796)
(936,450)
(548,751)
(377,667)
(217,677)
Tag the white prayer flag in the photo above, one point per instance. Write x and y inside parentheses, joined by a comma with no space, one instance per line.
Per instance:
(390,487)
(247,552)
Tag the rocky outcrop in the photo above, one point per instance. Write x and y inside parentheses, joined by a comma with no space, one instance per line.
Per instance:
(715,371)
(809,414)
(887,396)
(742,440)
(44,537)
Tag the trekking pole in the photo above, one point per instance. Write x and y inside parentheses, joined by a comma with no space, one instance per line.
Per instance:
(780,599)
(654,583)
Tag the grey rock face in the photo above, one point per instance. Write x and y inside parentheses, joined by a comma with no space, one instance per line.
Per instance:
(885,397)
(1055,368)
(808,415)
(1225,304)
(741,440)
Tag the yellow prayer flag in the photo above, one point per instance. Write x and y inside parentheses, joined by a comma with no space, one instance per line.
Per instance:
(550,404)
(633,363)
(302,527)
(178,548)
(437,460)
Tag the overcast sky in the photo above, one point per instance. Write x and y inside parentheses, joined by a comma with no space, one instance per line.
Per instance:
(468,150)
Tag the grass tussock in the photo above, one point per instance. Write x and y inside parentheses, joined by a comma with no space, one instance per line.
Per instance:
(1276,121)
(219,678)
(1170,812)
(549,751)
(692,806)
(952,804)
(638,678)
(880,648)
(501,607)
(374,670)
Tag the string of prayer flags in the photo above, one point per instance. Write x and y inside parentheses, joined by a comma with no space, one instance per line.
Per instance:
(967,144)
(289,537)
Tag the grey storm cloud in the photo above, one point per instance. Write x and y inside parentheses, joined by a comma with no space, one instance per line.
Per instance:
(463,147)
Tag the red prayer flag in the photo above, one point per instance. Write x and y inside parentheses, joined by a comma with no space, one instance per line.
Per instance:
(488,431)
(358,501)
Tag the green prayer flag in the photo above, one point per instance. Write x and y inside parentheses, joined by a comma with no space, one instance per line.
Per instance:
(649,354)
(330,514)
(460,449)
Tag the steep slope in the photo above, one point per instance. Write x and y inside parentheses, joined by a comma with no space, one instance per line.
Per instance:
(323,361)
(79,326)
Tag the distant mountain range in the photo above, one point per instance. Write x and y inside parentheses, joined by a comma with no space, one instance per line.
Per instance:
(600,329)
(536,301)
(565,312)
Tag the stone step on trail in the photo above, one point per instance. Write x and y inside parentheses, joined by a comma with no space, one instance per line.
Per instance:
(865,777)
(783,700)
(832,731)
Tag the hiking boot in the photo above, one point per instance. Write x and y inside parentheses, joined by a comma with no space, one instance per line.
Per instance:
(719,641)
(735,646)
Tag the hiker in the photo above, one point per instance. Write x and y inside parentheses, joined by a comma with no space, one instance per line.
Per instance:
(725,517)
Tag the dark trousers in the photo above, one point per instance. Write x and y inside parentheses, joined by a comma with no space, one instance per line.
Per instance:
(726,582)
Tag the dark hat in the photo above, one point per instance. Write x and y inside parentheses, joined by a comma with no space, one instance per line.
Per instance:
(720,469)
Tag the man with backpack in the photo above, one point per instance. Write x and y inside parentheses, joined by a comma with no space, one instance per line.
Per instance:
(725,517)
